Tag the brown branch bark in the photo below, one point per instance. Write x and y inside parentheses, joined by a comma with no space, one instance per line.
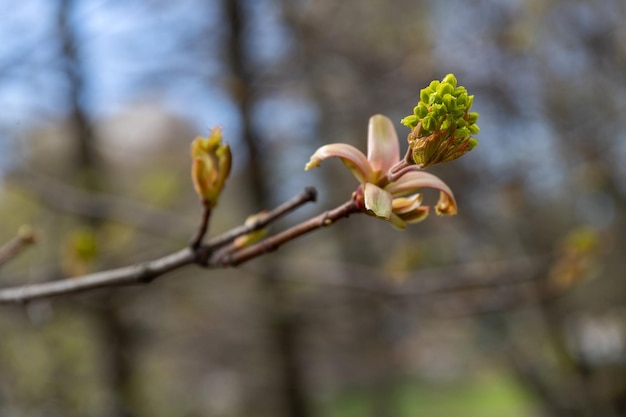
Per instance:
(196,241)
(274,242)
(135,274)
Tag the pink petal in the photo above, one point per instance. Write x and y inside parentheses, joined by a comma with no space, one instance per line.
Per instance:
(402,205)
(353,158)
(377,201)
(412,181)
(383,148)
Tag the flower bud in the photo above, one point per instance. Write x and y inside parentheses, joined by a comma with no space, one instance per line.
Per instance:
(442,124)
(410,121)
(444,89)
(211,163)
(420,110)
(449,79)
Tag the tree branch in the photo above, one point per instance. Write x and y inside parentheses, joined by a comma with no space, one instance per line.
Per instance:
(272,243)
(24,238)
(146,272)
(142,273)
(308,195)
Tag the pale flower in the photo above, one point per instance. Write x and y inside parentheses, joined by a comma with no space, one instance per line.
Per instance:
(389,185)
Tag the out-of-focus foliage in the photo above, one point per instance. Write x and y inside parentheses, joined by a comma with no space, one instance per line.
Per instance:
(86,87)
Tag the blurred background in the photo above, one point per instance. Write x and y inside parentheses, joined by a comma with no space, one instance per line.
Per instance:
(513,308)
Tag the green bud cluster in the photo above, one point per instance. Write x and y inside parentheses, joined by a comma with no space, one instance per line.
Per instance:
(442,124)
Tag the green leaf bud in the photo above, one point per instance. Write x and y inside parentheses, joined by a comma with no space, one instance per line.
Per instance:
(410,121)
(457,114)
(439,110)
(472,117)
(420,110)
(458,91)
(429,124)
(449,101)
(433,85)
(424,94)
(462,132)
(474,129)
(450,79)
(461,100)
(470,101)
(444,89)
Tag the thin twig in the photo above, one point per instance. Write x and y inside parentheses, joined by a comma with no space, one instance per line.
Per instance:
(24,238)
(204,225)
(274,242)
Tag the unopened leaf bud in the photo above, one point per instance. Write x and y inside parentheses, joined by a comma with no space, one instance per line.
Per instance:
(449,79)
(211,163)
(462,133)
(429,124)
(444,89)
(420,110)
(410,121)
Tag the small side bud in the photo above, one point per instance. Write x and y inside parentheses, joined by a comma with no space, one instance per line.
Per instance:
(252,237)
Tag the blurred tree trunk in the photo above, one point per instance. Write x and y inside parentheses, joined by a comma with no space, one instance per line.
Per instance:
(284,324)
(88,172)
(373,348)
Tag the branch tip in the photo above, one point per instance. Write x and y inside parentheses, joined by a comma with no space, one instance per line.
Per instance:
(311,193)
